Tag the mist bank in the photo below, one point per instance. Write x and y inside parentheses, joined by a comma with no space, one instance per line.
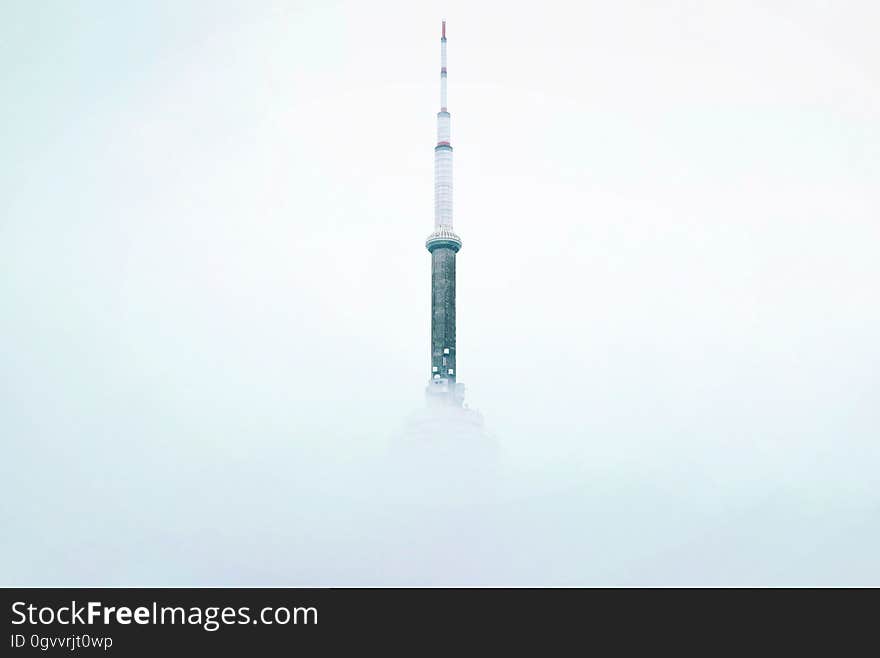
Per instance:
(277,511)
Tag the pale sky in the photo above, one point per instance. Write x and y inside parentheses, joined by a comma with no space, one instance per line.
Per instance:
(212,223)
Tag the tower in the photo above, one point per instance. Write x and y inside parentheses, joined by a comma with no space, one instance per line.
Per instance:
(443,244)
(444,450)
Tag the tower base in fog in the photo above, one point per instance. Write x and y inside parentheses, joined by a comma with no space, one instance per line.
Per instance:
(444,454)
(445,419)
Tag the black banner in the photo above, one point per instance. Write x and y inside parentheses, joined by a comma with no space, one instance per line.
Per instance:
(183,621)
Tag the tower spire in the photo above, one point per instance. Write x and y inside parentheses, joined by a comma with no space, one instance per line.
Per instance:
(443,150)
(443,68)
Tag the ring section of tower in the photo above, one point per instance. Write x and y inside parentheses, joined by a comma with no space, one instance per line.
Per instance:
(443,237)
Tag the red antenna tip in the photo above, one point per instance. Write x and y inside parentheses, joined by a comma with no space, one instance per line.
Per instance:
(444,29)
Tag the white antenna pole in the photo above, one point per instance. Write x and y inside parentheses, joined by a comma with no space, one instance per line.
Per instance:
(443,151)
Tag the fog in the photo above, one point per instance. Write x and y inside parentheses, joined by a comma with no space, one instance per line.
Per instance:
(214,294)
